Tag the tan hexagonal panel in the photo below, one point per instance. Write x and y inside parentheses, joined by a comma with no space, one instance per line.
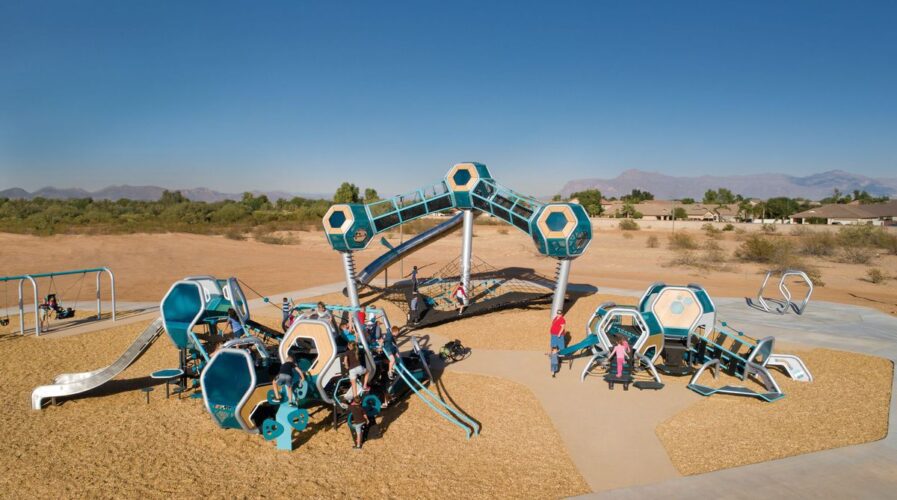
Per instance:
(338,219)
(462,177)
(676,308)
(557,221)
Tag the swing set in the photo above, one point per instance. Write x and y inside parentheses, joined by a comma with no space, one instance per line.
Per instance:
(51,302)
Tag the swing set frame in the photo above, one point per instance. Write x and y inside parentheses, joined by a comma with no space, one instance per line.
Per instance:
(33,279)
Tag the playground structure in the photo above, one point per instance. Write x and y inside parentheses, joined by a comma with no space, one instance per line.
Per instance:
(678,324)
(235,380)
(559,230)
(33,279)
(783,305)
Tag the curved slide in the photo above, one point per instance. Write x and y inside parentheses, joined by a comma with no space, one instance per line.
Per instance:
(407,248)
(70,384)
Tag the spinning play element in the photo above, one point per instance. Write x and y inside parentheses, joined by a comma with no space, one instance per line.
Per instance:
(559,230)
(785,304)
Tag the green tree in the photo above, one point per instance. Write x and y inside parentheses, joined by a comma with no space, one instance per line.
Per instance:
(781,207)
(637,196)
(346,193)
(370,195)
(590,199)
(171,197)
(556,197)
(687,201)
(679,213)
(710,197)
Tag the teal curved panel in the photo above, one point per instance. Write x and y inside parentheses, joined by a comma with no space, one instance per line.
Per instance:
(225,382)
(180,307)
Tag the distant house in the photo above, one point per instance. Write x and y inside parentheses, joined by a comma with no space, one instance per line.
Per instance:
(664,210)
(876,214)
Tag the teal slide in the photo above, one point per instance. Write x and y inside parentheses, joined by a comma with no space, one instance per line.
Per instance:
(579,346)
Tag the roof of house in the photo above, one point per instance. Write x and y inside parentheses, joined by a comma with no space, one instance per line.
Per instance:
(845,211)
(660,208)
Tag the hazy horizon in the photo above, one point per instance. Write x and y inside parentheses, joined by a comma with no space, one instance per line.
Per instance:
(299,97)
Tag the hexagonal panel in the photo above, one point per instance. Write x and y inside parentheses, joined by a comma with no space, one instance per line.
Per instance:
(557,221)
(462,177)
(338,220)
(676,308)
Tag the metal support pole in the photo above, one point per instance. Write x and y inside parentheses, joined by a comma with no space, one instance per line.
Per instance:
(99,307)
(111,288)
(560,288)
(22,307)
(349,269)
(467,251)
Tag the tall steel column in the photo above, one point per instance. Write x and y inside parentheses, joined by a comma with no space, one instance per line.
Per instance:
(560,289)
(467,249)
(349,268)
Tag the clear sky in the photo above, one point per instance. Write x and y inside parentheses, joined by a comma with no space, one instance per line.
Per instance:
(300,95)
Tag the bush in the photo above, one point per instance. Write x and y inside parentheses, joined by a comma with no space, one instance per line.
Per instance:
(628,236)
(682,241)
(710,229)
(628,225)
(876,276)
(768,228)
(817,244)
(652,242)
(757,248)
(856,255)
(712,257)
(728,227)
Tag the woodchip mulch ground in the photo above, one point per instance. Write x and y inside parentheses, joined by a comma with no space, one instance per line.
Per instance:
(847,403)
(115,445)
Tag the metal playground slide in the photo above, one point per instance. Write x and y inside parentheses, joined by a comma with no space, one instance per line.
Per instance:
(70,384)
(414,244)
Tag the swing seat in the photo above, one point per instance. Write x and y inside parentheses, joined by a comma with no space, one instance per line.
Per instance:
(64,313)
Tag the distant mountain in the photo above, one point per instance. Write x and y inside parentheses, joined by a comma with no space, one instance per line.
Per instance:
(665,186)
(146,193)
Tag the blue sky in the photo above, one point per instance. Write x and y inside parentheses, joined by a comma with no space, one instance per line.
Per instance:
(303,95)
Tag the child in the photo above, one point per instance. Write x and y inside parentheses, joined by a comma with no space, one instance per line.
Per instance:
(235,326)
(359,419)
(555,361)
(460,295)
(619,351)
(389,350)
(353,366)
(285,308)
(285,379)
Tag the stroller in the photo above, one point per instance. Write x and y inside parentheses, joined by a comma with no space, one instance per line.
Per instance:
(454,350)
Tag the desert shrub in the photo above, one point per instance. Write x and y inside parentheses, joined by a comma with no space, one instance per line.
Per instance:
(628,236)
(710,229)
(628,225)
(768,228)
(234,234)
(711,257)
(876,275)
(856,255)
(758,248)
(817,244)
(728,227)
(652,242)
(682,241)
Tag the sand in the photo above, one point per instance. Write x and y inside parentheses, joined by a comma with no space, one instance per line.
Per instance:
(847,403)
(146,264)
(115,445)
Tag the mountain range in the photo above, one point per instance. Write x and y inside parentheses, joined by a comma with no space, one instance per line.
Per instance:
(664,186)
(145,193)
